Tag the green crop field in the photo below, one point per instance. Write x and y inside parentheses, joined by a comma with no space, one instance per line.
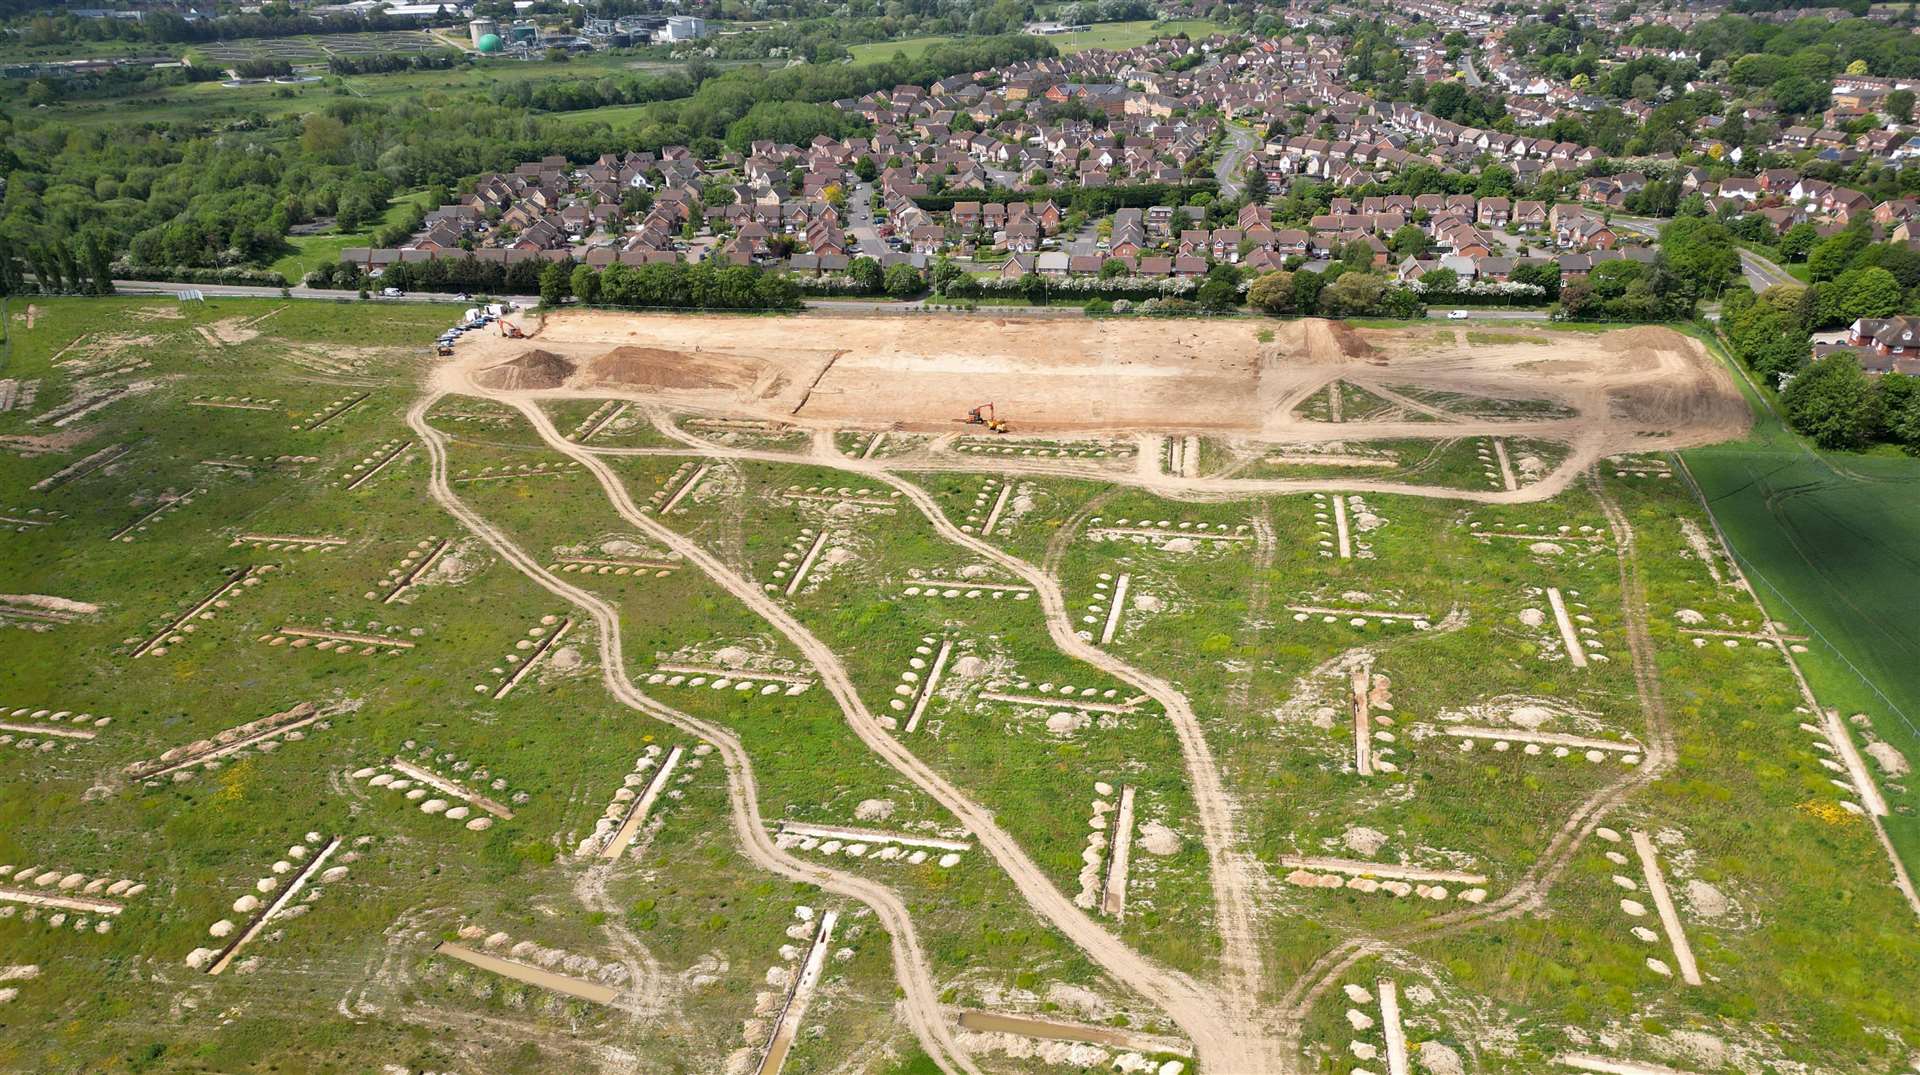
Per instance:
(318,656)
(1829,542)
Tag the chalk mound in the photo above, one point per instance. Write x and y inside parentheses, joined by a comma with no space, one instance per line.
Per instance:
(1890,758)
(1530,716)
(51,604)
(1363,841)
(1706,900)
(1157,839)
(873,809)
(1439,1059)
(657,367)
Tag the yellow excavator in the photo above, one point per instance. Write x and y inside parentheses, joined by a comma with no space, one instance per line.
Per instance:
(983,416)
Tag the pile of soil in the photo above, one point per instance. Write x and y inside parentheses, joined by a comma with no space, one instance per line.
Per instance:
(1347,340)
(657,367)
(532,370)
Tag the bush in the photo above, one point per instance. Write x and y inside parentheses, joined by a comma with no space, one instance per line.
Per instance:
(1076,287)
(189,275)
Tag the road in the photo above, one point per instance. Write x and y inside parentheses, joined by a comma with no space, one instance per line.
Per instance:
(1472,76)
(819,306)
(1761,273)
(1227,169)
(860,223)
(244,291)
(1441,312)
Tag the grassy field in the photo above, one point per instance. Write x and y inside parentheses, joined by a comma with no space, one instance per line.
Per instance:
(1125,35)
(912,47)
(312,251)
(263,442)
(1111,35)
(1828,541)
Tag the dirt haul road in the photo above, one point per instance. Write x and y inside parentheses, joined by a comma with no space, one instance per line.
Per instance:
(1209,1017)
(921,1002)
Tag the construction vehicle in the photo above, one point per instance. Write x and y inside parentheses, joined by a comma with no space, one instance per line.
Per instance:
(983,416)
(511,331)
(444,350)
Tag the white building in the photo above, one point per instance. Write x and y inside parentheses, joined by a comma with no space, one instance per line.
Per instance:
(685,28)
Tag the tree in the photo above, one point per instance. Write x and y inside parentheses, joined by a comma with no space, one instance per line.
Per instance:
(866,169)
(1769,340)
(1799,95)
(1307,286)
(555,285)
(867,275)
(1900,409)
(1409,240)
(1217,294)
(1859,293)
(586,284)
(1857,67)
(99,266)
(946,275)
(1441,279)
(1354,293)
(12,280)
(904,280)
(1700,254)
(1899,105)
(1798,241)
(1113,269)
(1833,403)
(1834,255)
(1272,293)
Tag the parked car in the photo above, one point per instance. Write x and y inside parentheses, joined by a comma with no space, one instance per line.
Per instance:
(1456,315)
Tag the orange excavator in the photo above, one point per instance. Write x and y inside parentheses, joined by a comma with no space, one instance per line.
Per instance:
(983,416)
(510,330)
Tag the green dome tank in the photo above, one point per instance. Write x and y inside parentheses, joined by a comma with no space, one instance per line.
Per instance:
(490,43)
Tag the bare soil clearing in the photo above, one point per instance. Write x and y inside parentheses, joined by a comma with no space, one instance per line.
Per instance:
(1626,387)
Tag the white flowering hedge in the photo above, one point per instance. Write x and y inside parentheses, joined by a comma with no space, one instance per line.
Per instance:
(1091,287)
(1486,292)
